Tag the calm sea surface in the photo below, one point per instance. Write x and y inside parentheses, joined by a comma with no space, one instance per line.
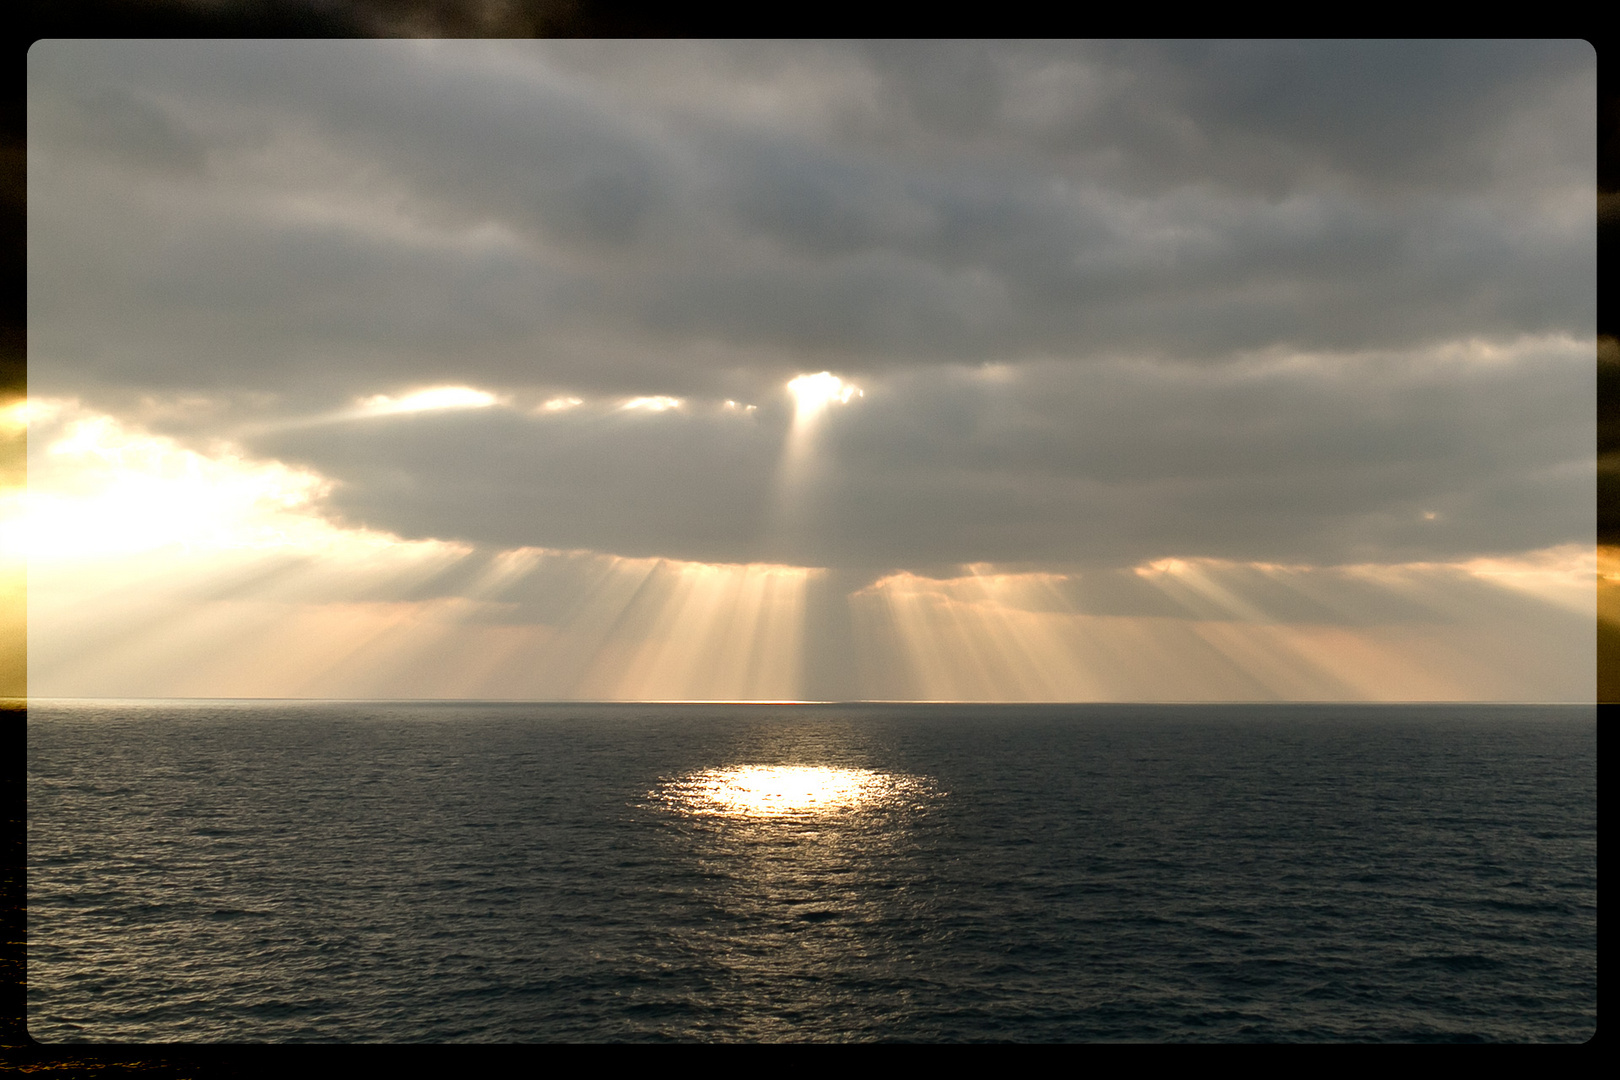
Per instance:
(376,872)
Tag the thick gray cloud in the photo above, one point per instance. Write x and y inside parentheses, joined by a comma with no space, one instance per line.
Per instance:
(1071,279)
(1112,462)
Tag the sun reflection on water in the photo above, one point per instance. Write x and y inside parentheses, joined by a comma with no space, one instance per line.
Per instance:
(763,791)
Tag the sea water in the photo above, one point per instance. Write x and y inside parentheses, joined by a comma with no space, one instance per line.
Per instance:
(476,872)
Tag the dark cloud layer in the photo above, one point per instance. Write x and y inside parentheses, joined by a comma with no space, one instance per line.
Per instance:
(1070,277)
(1115,463)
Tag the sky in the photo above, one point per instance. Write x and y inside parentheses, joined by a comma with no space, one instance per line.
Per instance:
(646,370)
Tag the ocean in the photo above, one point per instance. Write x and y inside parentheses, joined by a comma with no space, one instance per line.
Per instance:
(465,872)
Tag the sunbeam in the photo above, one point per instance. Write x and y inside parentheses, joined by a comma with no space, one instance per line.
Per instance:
(159,570)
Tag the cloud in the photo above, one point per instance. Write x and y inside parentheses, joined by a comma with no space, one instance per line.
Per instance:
(1304,303)
(500,195)
(1317,459)
(158,570)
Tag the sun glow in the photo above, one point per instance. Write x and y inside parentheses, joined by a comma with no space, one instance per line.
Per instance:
(776,791)
(658,403)
(813,393)
(100,488)
(156,570)
(437,397)
(19,414)
(799,473)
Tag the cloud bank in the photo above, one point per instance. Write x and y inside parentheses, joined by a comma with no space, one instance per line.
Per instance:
(1306,305)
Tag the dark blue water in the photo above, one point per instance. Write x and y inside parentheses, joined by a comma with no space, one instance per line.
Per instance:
(229,872)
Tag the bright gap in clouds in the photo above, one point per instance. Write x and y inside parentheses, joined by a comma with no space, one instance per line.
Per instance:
(437,397)
(813,393)
(657,403)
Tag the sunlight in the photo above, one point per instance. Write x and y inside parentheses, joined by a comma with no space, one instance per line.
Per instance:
(521,624)
(1562,575)
(97,488)
(1353,636)
(20,414)
(706,632)
(798,474)
(158,570)
(781,791)
(658,403)
(813,393)
(1195,585)
(437,397)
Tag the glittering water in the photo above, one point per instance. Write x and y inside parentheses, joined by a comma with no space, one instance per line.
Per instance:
(740,792)
(233,872)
